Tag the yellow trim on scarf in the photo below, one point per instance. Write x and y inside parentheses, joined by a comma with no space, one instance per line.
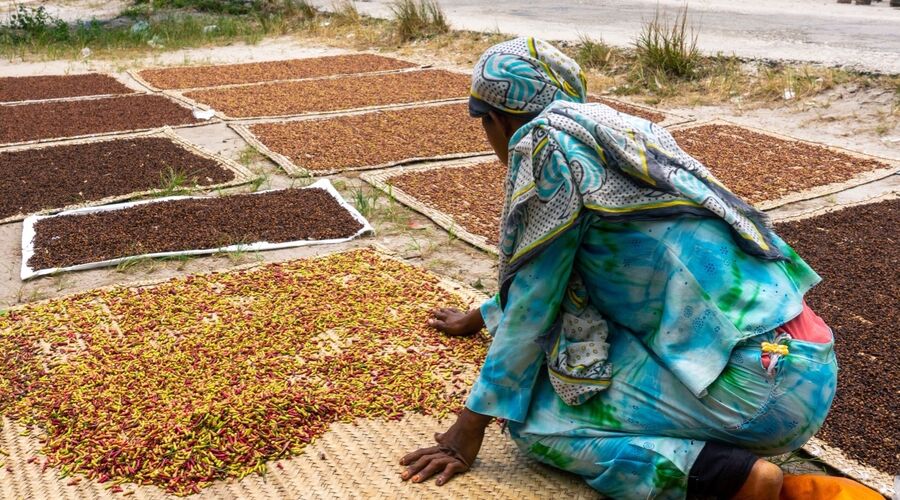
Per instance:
(555,354)
(539,146)
(645,175)
(649,206)
(578,301)
(523,190)
(560,83)
(759,240)
(580,381)
(543,240)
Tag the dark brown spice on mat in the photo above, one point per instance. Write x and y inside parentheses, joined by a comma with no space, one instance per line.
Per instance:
(759,167)
(472,195)
(53,177)
(630,110)
(209,76)
(50,120)
(350,92)
(276,217)
(857,253)
(24,88)
(375,138)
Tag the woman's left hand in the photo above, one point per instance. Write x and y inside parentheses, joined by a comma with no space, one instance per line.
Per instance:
(456,451)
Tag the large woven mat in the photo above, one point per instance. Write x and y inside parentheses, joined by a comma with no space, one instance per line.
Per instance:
(351,460)
(136,74)
(381,180)
(241,174)
(78,97)
(179,96)
(359,460)
(292,169)
(829,454)
(87,137)
(814,192)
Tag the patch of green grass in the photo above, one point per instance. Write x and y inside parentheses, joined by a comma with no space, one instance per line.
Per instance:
(22,296)
(417,19)
(182,260)
(364,202)
(667,48)
(131,264)
(174,182)
(777,82)
(593,54)
(35,32)
(393,211)
(259,181)
(248,155)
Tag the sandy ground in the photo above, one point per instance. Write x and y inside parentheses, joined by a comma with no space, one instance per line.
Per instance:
(822,31)
(845,117)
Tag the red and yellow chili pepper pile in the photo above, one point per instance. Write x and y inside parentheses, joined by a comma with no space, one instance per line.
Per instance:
(210,377)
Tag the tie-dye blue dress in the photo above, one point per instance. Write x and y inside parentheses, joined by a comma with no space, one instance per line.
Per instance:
(687,312)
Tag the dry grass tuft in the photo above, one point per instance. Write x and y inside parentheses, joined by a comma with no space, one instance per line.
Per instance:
(417,19)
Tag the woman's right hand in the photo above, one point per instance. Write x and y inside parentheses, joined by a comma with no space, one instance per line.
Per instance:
(456,323)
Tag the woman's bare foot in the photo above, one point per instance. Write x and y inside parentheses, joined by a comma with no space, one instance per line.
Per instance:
(764,482)
(456,323)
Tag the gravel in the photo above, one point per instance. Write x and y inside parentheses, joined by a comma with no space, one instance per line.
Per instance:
(337,94)
(24,88)
(760,167)
(400,135)
(51,120)
(472,195)
(857,253)
(210,76)
(195,224)
(57,176)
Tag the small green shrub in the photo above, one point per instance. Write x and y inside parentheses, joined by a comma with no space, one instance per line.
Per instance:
(416,19)
(593,54)
(27,23)
(345,13)
(668,49)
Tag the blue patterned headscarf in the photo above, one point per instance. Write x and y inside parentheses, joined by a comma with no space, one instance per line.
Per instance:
(522,77)
(571,157)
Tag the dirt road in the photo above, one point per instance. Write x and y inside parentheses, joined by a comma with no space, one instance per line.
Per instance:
(823,31)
